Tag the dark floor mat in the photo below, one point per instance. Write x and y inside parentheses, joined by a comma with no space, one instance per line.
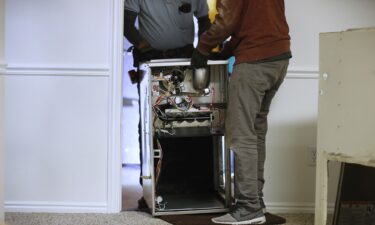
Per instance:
(201,219)
(205,219)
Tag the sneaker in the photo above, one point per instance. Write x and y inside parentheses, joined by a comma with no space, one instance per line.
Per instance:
(274,219)
(257,218)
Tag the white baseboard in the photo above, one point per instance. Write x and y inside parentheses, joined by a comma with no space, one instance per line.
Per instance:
(55,207)
(65,207)
(3,66)
(294,207)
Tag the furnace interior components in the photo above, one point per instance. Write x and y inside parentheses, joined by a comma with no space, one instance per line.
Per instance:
(185,161)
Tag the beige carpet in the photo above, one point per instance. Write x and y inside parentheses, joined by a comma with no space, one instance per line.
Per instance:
(124,218)
(131,193)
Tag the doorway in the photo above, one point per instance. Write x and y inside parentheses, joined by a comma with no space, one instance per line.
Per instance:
(131,189)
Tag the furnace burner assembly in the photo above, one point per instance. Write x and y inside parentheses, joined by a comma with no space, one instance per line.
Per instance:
(185,160)
(182,99)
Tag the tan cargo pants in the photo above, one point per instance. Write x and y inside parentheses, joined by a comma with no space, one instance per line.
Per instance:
(251,90)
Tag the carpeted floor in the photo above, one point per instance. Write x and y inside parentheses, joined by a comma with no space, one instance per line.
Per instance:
(124,218)
(128,218)
(131,193)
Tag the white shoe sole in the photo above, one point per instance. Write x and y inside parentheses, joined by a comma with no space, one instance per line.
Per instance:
(259,220)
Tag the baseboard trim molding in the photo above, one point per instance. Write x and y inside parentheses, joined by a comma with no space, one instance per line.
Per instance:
(3,67)
(303,73)
(55,207)
(57,70)
(65,207)
(294,207)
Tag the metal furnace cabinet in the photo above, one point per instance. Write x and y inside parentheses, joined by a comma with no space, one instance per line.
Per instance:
(185,163)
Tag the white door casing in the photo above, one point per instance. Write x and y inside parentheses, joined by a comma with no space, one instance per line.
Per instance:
(2,72)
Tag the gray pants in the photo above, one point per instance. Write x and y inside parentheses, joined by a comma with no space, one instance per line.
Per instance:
(251,89)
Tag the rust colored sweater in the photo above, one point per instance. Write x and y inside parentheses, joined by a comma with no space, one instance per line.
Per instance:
(258,30)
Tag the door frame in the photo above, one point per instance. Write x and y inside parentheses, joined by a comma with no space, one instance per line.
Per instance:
(2,73)
(114,171)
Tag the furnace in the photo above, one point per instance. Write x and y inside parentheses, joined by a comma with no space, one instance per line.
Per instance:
(185,163)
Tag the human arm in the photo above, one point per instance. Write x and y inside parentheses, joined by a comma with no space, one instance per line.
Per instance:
(201,13)
(132,33)
(227,50)
(228,18)
(204,24)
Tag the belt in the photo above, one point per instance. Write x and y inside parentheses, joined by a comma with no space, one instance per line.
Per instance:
(183,52)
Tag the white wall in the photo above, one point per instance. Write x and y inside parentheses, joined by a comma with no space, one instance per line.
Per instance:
(290,176)
(58,101)
(63,33)
(309,18)
(60,142)
(56,141)
(2,71)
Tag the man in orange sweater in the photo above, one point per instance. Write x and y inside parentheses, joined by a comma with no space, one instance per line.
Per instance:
(260,42)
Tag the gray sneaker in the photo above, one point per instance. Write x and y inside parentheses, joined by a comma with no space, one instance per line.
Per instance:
(255,218)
